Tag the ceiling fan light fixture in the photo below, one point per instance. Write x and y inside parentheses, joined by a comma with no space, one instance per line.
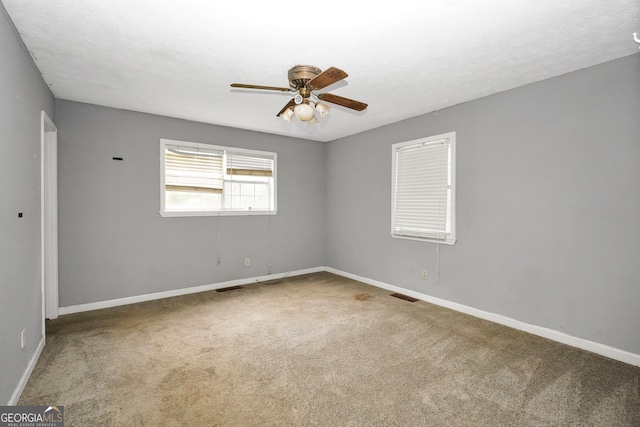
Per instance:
(287,114)
(304,112)
(312,121)
(323,109)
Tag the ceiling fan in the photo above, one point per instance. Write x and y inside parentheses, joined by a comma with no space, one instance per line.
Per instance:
(305,80)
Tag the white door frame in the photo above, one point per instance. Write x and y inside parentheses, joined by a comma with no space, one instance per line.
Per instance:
(49,217)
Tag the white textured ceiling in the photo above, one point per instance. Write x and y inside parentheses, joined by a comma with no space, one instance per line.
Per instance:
(404,58)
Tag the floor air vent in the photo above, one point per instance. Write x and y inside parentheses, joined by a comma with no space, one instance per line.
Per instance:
(230,288)
(404,297)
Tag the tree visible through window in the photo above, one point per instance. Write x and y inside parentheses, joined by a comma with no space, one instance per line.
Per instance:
(201,179)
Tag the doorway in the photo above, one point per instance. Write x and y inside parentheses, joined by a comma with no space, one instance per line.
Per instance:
(49,217)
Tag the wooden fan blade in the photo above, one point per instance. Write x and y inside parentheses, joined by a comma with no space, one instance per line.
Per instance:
(289,104)
(328,77)
(345,102)
(244,86)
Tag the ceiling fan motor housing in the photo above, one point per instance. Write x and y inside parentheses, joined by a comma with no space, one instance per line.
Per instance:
(301,74)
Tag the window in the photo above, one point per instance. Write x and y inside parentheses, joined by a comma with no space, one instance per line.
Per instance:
(423,189)
(201,179)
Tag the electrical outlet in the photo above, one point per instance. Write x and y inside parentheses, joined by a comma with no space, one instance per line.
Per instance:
(425,274)
(22,339)
(247,262)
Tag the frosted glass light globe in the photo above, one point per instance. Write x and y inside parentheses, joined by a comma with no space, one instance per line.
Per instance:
(304,112)
(287,114)
(323,109)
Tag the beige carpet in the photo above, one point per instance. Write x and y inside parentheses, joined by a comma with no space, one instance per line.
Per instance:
(318,350)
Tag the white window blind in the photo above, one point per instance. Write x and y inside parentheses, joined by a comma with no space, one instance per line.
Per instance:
(423,189)
(240,164)
(193,169)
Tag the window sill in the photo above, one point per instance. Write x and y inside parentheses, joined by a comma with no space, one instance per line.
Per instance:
(448,241)
(170,214)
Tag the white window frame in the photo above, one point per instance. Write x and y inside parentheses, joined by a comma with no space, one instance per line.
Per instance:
(447,234)
(223,211)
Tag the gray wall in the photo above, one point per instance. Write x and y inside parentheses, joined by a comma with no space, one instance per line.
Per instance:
(23,94)
(548,205)
(114,243)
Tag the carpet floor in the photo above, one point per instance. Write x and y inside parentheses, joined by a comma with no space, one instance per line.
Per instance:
(318,350)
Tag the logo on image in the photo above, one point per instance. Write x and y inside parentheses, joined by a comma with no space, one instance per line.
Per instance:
(31,416)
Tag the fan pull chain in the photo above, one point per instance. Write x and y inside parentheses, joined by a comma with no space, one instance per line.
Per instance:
(269,255)
(219,243)
(437,260)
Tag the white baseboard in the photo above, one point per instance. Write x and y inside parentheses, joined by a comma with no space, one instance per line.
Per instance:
(184,291)
(584,344)
(26,374)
